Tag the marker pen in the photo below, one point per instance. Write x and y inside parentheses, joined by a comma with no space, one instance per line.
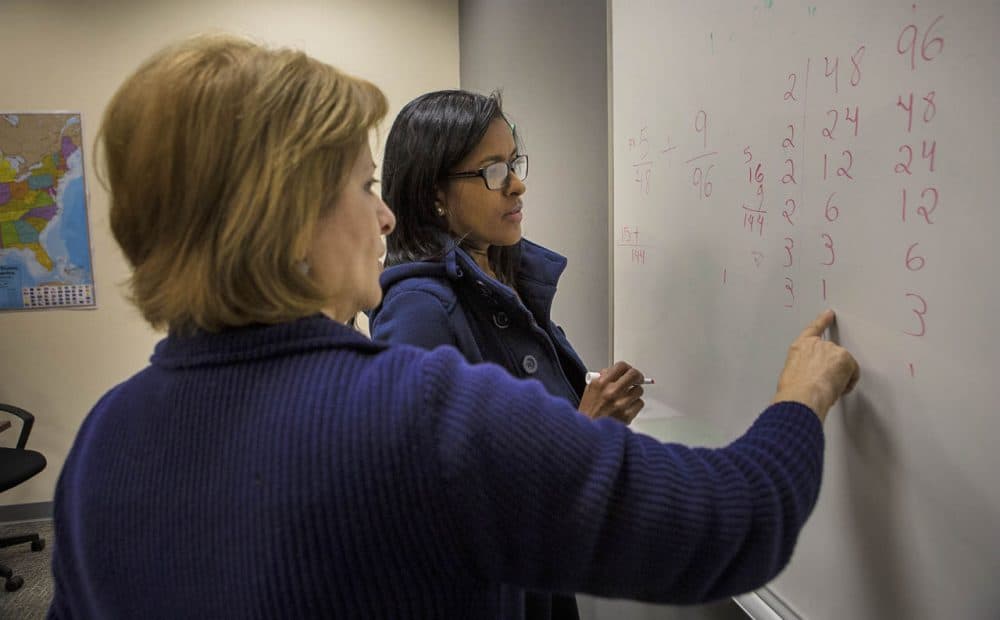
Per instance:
(590,376)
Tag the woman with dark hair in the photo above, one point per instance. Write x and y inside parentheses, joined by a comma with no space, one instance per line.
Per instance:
(458,271)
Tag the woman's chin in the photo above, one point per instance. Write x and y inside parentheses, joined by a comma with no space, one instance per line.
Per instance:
(512,238)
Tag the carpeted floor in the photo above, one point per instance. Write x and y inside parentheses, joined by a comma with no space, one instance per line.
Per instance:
(32,600)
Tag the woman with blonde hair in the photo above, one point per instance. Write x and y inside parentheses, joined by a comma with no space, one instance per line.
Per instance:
(272,462)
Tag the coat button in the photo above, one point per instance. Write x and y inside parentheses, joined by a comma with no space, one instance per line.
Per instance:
(458,272)
(529,364)
(501,320)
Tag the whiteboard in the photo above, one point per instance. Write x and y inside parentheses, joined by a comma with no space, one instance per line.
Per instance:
(771,159)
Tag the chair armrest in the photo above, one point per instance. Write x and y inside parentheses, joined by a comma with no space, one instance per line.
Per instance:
(27,419)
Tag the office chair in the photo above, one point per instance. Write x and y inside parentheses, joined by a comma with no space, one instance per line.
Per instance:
(17,465)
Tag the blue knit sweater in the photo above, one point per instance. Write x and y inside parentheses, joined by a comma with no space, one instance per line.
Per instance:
(300,470)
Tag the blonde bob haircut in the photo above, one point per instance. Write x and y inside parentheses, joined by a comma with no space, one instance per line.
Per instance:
(220,156)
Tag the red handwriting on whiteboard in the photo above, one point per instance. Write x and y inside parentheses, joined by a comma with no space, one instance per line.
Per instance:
(930,48)
(914,262)
(918,47)
(831,212)
(844,170)
(832,69)
(930,108)
(927,152)
(789,142)
(642,165)
(755,174)
(856,64)
(754,217)
(701,126)
(919,310)
(828,131)
(828,244)
(628,235)
(789,177)
(700,171)
(834,115)
(699,179)
(788,213)
(857,115)
(928,203)
(790,93)
(838,128)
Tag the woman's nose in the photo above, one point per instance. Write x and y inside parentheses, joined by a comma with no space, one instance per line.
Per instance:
(387,219)
(515,186)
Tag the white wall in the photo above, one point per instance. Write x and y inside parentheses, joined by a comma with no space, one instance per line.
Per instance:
(66,55)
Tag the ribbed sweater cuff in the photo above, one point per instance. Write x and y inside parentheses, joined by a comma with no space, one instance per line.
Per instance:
(801,438)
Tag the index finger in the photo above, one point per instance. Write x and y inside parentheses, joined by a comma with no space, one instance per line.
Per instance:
(616,371)
(819,325)
(631,378)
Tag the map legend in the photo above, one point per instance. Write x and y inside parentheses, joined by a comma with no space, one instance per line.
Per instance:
(57,296)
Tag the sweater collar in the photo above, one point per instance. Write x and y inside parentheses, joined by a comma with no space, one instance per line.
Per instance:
(255,342)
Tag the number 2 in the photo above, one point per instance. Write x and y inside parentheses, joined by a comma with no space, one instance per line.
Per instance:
(828,131)
(790,93)
(788,214)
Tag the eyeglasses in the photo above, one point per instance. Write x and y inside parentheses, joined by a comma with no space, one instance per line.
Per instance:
(496,176)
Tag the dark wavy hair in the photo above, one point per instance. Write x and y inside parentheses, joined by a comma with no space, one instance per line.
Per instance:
(429,137)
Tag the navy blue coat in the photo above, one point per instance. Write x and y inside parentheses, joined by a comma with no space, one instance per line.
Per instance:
(453,302)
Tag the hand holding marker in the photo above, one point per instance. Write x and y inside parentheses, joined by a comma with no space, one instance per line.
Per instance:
(614,392)
(590,376)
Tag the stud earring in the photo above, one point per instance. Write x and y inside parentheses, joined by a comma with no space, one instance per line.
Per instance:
(440,211)
(302,266)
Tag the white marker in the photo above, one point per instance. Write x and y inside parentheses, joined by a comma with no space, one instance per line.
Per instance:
(590,376)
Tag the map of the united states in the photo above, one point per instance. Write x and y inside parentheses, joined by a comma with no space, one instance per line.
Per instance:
(44,243)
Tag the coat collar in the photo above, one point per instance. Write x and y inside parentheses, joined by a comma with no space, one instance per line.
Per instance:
(539,264)
(538,273)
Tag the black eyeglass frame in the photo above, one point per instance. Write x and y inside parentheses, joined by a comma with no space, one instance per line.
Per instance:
(506,178)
